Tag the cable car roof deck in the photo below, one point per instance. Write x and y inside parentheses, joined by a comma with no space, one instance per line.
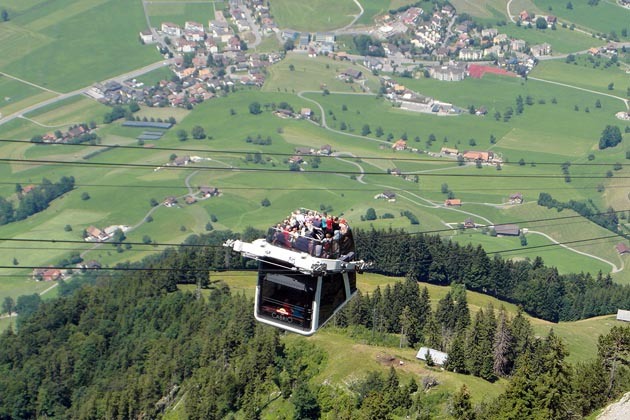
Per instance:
(307,241)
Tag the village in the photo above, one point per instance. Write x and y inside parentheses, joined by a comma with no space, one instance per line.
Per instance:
(212,58)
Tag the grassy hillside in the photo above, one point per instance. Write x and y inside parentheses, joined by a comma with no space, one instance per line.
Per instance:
(580,337)
(66,44)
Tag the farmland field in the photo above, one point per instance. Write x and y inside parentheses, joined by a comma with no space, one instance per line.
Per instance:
(602,18)
(179,13)
(75,41)
(559,125)
(317,15)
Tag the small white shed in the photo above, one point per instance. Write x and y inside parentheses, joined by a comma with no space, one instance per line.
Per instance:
(623,315)
(439,357)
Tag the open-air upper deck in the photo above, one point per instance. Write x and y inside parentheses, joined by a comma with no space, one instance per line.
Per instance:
(319,235)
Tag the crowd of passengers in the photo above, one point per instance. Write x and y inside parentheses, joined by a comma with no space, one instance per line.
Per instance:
(321,235)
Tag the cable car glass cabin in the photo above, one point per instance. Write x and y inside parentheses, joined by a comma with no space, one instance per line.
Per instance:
(299,302)
(303,280)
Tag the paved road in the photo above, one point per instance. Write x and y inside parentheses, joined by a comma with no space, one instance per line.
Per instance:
(624,100)
(120,78)
(424,202)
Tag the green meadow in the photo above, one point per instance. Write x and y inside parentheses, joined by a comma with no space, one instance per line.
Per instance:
(586,74)
(67,44)
(298,72)
(484,9)
(317,15)
(602,18)
(15,95)
(180,12)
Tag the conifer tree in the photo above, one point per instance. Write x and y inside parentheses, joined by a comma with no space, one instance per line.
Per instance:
(460,310)
(461,405)
(433,334)
(503,346)
(445,314)
(480,341)
(456,360)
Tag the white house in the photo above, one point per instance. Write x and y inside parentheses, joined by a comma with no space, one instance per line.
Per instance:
(438,357)
(171,29)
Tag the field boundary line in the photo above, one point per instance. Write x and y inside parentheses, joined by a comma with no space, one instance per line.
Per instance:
(28,83)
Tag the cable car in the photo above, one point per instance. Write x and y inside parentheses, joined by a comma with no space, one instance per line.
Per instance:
(304,277)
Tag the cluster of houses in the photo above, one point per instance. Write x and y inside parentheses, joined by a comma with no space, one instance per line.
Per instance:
(201,194)
(73,133)
(53,274)
(413,101)
(198,82)
(305,113)
(300,152)
(435,35)
(485,157)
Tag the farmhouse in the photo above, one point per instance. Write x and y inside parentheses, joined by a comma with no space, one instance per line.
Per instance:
(507,230)
(449,151)
(386,195)
(438,357)
(399,145)
(352,73)
(516,198)
(89,265)
(209,191)
(95,234)
(622,248)
(452,202)
(469,223)
(181,160)
(472,155)
(170,201)
(47,274)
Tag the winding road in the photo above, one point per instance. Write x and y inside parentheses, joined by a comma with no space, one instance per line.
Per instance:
(424,202)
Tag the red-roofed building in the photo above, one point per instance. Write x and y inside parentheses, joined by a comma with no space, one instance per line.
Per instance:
(453,202)
(399,145)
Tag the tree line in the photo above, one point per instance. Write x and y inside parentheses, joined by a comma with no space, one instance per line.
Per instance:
(539,289)
(35,200)
(130,344)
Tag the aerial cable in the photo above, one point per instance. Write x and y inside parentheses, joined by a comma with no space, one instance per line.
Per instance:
(287,171)
(366,188)
(342,156)
(185,245)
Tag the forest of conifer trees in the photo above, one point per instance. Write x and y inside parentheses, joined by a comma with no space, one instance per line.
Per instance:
(132,345)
